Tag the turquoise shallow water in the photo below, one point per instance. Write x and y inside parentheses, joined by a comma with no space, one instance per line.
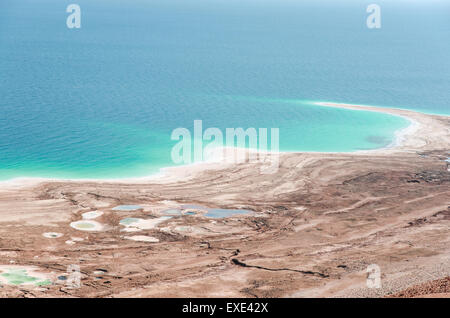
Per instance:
(102,101)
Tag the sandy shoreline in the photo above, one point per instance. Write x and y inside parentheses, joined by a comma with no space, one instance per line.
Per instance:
(410,138)
(317,223)
(416,136)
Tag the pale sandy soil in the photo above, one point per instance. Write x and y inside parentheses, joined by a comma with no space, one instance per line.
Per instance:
(318,222)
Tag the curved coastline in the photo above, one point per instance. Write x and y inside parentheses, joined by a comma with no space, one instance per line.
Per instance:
(404,140)
(400,134)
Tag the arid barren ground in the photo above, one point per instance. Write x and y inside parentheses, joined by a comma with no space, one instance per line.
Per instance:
(317,224)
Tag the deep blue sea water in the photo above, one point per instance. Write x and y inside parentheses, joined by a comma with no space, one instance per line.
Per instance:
(102,101)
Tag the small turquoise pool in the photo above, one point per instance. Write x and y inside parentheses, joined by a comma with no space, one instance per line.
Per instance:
(171,212)
(213,213)
(193,206)
(127,208)
(223,213)
(129,221)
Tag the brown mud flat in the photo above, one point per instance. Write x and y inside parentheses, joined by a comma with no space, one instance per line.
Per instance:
(318,222)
